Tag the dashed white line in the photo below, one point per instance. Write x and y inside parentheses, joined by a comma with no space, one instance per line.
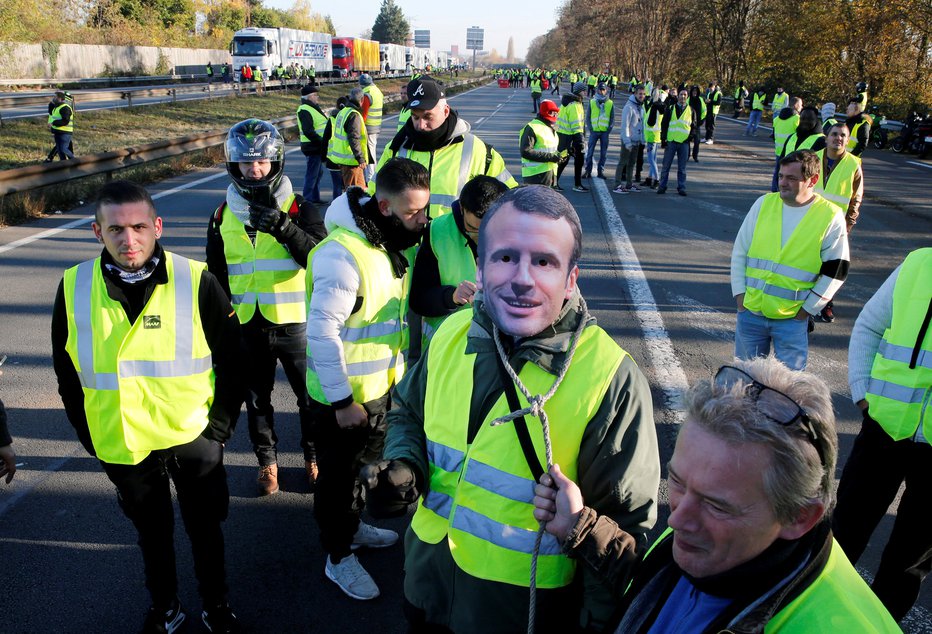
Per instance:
(925,165)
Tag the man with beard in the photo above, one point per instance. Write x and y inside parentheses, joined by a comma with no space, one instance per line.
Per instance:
(356,339)
(571,123)
(439,140)
(468,553)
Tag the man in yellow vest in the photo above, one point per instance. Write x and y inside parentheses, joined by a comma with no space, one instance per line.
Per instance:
(468,552)
(536,91)
(681,125)
(61,125)
(348,146)
(784,126)
(312,122)
(859,127)
(758,103)
(357,338)
(789,259)
(146,348)
(890,373)
(437,138)
(600,120)
(749,545)
(258,241)
(372,110)
(539,143)
(571,122)
(713,99)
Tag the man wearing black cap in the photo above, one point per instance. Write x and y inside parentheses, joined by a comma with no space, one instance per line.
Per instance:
(437,138)
(311,125)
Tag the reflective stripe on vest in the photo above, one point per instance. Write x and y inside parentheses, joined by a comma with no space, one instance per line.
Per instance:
(779,102)
(374,116)
(840,185)
(758,101)
(782,129)
(319,119)
(536,86)
(853,137)
(716,97)
(901,376)
(778,279)
(403,117)
(480,495)
(652,132)
(571,118)
(793,144)
(56,115)
(147,385)
(680,127)
(545,139)
(599,118)
(373,337)
(455,261)
(339,150)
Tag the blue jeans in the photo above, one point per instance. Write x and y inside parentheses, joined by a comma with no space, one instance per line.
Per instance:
(336,179)
(602,138)
(652,173)
(535,97)
(753,121)
(790,339)
(62,141)
(315,170)
(681,152)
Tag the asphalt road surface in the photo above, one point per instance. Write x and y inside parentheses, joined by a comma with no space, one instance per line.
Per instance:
(654,272)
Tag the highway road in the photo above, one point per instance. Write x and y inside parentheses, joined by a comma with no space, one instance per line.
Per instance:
(654,272)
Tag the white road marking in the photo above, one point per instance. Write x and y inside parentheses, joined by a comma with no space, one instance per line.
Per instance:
(925,165)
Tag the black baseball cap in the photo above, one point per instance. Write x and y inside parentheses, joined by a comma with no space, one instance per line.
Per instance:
(309,89)
(424,93)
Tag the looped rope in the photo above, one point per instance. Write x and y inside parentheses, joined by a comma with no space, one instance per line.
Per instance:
(536,408)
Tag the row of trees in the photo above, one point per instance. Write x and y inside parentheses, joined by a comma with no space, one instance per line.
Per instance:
(817,49)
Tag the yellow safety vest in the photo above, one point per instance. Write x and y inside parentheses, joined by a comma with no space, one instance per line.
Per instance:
(319,119)
(571,118)
(778,279)
(374,116)
(716,107)
(793,143)
(403,117)
(680,127)
(536,86)
(853,138)
(339,150)
(375,336)
(56,115)
(652,132)
(782,129)
(779,102)
(901,377)
(546,140)
(598,119)
(455,261)
(480,495)
(758,101)
(840,186)
(149,384)
(262,274)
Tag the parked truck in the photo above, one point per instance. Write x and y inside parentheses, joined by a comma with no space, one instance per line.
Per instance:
(267,48)
(393,58)
(354,56)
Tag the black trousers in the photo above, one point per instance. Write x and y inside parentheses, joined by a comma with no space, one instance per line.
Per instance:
(577,151)
(144,494)
(267,346)
(710,126)
(341,453)
(876,468)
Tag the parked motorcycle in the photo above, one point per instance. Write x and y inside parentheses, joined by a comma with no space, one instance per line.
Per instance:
(916,136)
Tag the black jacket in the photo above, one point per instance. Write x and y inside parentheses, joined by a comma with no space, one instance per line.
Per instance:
(316,145)
(529,139)
(428,297)
(5,438)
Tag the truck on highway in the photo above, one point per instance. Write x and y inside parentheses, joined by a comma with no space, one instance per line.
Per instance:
(265,48)
(354,56)
(393,58)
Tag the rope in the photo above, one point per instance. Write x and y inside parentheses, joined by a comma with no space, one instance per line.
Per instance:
(536,408)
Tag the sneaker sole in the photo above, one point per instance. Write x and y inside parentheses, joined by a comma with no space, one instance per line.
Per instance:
(347,592)
(176,623)
(356,546)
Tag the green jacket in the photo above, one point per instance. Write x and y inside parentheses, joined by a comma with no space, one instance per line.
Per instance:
(619,471)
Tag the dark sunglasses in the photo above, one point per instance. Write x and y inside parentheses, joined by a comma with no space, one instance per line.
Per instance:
(773,404)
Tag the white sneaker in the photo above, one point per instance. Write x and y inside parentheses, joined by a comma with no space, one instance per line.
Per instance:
(373,537)
(352,578)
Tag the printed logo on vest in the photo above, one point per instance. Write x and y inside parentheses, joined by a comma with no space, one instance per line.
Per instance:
(150,322)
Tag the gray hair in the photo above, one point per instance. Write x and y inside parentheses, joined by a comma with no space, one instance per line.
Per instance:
(796,475)
(356,94)
(536,199)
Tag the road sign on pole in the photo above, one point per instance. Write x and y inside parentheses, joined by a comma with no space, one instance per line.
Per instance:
(475,39)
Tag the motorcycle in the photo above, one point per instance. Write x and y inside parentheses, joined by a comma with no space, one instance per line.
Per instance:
(916,136)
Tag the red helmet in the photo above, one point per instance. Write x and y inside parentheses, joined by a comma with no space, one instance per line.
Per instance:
(548,111)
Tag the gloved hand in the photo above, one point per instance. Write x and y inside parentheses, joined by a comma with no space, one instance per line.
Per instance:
(564,154)
(267,219)
(390,488)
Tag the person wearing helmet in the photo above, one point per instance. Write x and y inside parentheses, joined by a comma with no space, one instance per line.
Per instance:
(539,143)
(861,87)
(258,242)
(570,127)
(600,120)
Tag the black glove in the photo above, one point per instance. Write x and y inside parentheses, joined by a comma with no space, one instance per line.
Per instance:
(390,487)
(267,219)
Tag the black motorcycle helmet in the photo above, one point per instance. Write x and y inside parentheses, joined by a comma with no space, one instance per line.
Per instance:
(251,140)
(861,86)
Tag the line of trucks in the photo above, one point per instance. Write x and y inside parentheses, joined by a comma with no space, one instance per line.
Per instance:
(266,48)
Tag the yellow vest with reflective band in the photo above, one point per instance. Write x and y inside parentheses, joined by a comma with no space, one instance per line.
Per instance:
(853,138)
(715,108)
(319,119)
(901,377)
(339,150)
(782,129)
(598,119)
(374,116)
(480,495)
(455,261)
(793,143)
(571,118)
(546,140)
(403,117)
(536,86)
(862,101)
(374,336)
(679,128)
(777,279)
(147,385)
(779,102)
(262,274)
(758,101)
(56,115)
(840,186)
(652,132)
(574,78)
(592,80)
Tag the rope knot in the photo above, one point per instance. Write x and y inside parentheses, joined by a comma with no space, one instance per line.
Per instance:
(536,404)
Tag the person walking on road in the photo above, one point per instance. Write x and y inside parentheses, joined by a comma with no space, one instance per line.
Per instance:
(652,117)
(741,93)
(632,138)
(539,145)
(570,127)
(698,105)
(600,120)
(681,124)
(713,101)
(784,126)
(348,146)
(258,241)
(758,101)
(146,348)
(312,123)
(61,125)
(372,110)
(536,92)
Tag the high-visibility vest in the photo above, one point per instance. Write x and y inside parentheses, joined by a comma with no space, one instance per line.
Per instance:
(319,119)
(778,279)
(403,117)
(901,377)
(56,115)
(455,261)
(547,140)
(840,185)
(210,70)
(758,101)
(148,384)
(862,101)
(782,129)
(853,138)
(374,116)
(652,132)
(257,76)
(680,127)
(536,87)
(793,143)
(339,150)
(779,102)
(571,118)
(262,274)
(374,336)
(592,80)
(480,494)
(716,96)
(598,119)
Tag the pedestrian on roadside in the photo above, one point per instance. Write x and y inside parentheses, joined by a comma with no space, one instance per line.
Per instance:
(698,105)
(741,93)
(758,101)
(349,147)
(681,127)
(653,122)
(371,103)
(600,119)
(312,123)
(539,145)
(61,125)
(570,128)
(632,138)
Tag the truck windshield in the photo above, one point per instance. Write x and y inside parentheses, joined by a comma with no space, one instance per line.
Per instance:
(249,46)
(340,51)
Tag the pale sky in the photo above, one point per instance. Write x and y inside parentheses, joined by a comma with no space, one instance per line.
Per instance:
(447,20)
